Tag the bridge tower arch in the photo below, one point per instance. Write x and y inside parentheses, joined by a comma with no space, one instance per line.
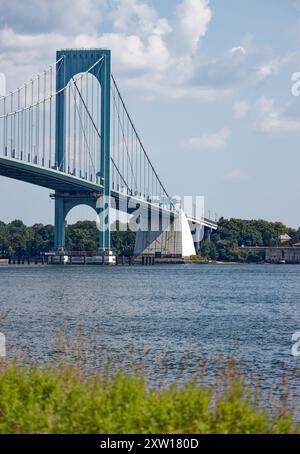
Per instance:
(98,63)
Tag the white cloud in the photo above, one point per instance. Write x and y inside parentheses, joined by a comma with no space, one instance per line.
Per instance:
(241,108)
(271,120)
(194,17)
(268,69)
(237,175)
(242,66)
(134,16)
(239,50)
(210,141)
(133,53)
(150,54)
(44,16)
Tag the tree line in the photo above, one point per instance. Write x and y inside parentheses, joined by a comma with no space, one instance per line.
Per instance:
(16,239)
(226,244)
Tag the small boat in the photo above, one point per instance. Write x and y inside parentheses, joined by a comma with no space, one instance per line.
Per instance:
(282,262)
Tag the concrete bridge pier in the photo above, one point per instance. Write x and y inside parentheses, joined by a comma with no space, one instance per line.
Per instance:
(171,239)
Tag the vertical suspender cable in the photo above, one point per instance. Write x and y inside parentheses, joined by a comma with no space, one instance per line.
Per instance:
(44,118)
(50,120)
(38,121)
(69,129)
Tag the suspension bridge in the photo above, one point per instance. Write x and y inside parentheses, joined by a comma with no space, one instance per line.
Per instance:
(68,129)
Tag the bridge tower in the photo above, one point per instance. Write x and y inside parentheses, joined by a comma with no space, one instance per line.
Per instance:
(73,62)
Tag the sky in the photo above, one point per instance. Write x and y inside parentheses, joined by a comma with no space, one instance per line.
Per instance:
(207,82)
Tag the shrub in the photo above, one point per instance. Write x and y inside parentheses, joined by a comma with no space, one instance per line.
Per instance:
(37,400)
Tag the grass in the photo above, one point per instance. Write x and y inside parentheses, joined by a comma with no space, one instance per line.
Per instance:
(62,400)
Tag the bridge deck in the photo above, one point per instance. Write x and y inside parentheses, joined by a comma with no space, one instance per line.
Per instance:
(47,178)
(63,182)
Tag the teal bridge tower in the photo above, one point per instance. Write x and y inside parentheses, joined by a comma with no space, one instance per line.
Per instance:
(97,62)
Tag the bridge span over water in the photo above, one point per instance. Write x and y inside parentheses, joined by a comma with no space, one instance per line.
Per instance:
(68,130)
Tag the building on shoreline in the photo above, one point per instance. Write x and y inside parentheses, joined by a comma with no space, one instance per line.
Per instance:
(281,254)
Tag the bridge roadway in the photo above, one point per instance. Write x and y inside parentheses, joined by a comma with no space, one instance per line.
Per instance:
(62,182)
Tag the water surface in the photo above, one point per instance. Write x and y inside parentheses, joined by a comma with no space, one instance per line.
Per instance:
(195,310)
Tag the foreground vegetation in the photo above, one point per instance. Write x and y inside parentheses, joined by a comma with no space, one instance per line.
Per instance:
(36,400)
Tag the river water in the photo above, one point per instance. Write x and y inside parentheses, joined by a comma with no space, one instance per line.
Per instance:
(176,311)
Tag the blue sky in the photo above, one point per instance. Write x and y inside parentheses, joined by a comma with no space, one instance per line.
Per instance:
(207,82)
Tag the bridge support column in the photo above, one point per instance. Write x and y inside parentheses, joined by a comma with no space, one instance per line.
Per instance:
(59,226)
(207,234)
(64,203)
(105,77)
